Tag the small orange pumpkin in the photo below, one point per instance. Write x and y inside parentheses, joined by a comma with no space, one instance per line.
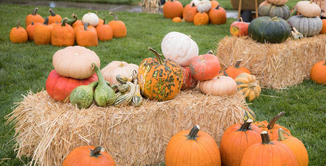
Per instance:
(104,31)
(217,15)
(234,71)
(87,36)
(18,34)
(201,18)
(176,19)
(34,17)
(172,8)
(239,28)
(317,72)
(189,12)
(30,30)
(323,29)
(42,33)
(54,17)
(119,28)
(63,35)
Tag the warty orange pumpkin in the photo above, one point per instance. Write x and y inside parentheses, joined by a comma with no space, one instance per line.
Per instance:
(18,34)
(63,35)
(201,18)
(42,33)
(87,36)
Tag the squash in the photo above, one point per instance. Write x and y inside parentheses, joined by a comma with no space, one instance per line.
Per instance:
(239,28)
(63,35)
(159,79)
(30,30)
(217,15)
(18,34)
(137,99)
(88,156)
(308,8)
(172,8)
(204,6)
(317,72)
(201,18)
(271,10)
(295,35)
(278,2)
(248,114)
(248,85)
(33,17)
(307,26)
(54,17)
(126,99)
(90,18)
(83,95)
(75,62)
(87,37)
(234,71)
(179,47)
(204,67)
(118,27)
(189,82)
(72,20)
(192,147)
(269,30)
(114,68)
(43,33)
(189,12)
(104,31)
(218,86)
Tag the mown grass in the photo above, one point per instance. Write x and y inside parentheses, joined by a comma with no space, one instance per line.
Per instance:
(25,67)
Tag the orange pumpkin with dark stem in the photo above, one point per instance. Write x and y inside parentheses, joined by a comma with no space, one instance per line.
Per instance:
(30,30)
(63,35)
(119,28)
(239,28)
(201,18)
(87,36)
(34,17)
(234,71)
(317,72)
(217,15)
(214,4)
(88,156)
(189,82)
(42,33)
(189,12)
(104,31)
(54,17)
(205,67)
(18,34)
(80,27)
(192,148)
(172,8)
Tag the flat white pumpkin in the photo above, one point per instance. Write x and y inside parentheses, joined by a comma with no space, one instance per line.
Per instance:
(308,8)
(91,18)
(179,47)
(114,68)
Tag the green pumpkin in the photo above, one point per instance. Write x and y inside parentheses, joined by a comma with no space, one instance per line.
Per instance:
(271,10)
(307,26)
(269,30)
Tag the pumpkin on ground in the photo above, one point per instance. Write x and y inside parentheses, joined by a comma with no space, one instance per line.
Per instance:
(87,36)
(204,67)
(214,4)
(104,31)
(217,15)
(239,28)
(317,72)
(234,71)
(201,18)
(159,79)
(176,19)
(75,62)
(30,30)
(54,17)
(189,82)
(115,68)
(269,30)
(179,47)
(307,26)
(218,86)
(271,10)
(63,35)
(33,17)
(88,156)
(81,27)
(18,34)
(204,6)
(189,12)
(172,8)
(118,27)
(192,148)
(42,33)
(248,85)
(308,8)
(91,18)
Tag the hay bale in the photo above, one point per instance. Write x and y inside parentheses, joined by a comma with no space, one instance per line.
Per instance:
(276,66)
(47,130)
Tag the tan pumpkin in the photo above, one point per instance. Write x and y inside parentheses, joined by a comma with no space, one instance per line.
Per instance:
(219,86)
(75,62)
(308,8)
(248,85)
(114,68)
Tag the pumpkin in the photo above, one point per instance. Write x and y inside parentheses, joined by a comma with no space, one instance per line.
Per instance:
(267,152)
(239,28)
(217,15)
(75,62)
(204,67)
(81,27)
(18,34)
(59,87)
(201,18)
(308,8)
(77,23)
(317,72)
(248,85)
(54,17)
(179,47)
(236,140)
(63,35)
(87,36)
(214,4)
(42,33)
(189,82)
(323,29)
(172,8)
(269,30)
(30,30)
(192,148)
(248,114)
(218,86)
(278,2)
(271,10)
(176,19)
(118,27)
(307,26)
(159,79)
(271,127)
(104,31)
(88,156)
(296,146)
(204,6)
(189,12)
(115,68)
(90,18)
(33,17)
(234,71)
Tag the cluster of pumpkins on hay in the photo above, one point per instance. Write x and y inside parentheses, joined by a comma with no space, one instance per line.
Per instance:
(200,12)
(60,31)
(276,22)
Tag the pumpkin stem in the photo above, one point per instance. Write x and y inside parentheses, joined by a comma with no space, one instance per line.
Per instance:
(193,133)
(158,56)
(281,136)
(96,152)
(100,77)
(241,20)
(237,64)
(115,16)
(265,138)
(210,52)
(274,119)
(18,24)
(34,11)
(52,12)
(103,20)
(46,21)
(64,21)
(74,15)
(246,125)
(217,7)
(274,18)
(32,23)
(85,26)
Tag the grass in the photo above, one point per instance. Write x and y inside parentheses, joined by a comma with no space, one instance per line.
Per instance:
(25,67)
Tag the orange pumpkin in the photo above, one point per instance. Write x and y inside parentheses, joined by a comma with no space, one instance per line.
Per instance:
(323,29)
(88,156)
(80,27)
(239,28)
(33,17)
(217,15)
(189,12)
(192,148)
(205,67)
(63,35)
(87,36)
(54,17)
(42,33)
(172,8)
(104,31)
(119,28)
(234,71)
(18,34)
(77,23)
(214,4)
(317,72)
(201,18)
(30,30)
(176,19)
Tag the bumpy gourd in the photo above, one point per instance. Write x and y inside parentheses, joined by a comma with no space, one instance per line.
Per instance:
(104,95)
(137,99)
(126,98)
(83,95)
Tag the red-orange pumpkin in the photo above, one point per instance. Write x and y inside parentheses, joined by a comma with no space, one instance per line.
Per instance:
(189,82)
(317,72)
(239,28)
(205,67)
(217,15)
(33,17)
(234,71)
(172,9)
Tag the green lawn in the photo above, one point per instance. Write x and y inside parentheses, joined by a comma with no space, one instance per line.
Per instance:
(25,67)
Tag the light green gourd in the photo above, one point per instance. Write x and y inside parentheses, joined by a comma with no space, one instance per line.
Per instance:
(83,95)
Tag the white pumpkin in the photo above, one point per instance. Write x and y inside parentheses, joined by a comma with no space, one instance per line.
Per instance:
(194,2)
(204,6)
(114,68)
(218,86)
(91,19)
(308,8)
(179,47)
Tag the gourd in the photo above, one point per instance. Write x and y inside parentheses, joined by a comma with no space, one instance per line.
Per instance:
(87,37)
(317,72)
(295,35)
(176,19)
(18,34)
(82,96)
(218,86)
(307,26)
(192,147)
(88,156)
(236,140)
(137,99)
(42,33)
(278,2)
(204,6)
(33,17)
(104,95)
(126,98)
(90,18)
(268,152)
(159,79)
(204,67)
(72,20)
(104,31)
(179,48)
(271,10)
(172,8)
(201,18)
(115,68)
(308,8)
(234,71)
(248,114)
(75,62)
(269,30)
(54,17)
(118,27)
(63,35)
(189,12)
(189,82)
(217,15)
(30,30)
(248,85)
(239,28)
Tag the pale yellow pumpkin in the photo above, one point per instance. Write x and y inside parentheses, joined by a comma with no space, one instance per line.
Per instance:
(219,86)
(114,68)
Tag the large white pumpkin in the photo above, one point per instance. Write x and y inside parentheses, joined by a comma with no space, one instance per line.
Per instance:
(114,68)
(218,86)
(179,47)
(91,19)
(204,6)
(308,8)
